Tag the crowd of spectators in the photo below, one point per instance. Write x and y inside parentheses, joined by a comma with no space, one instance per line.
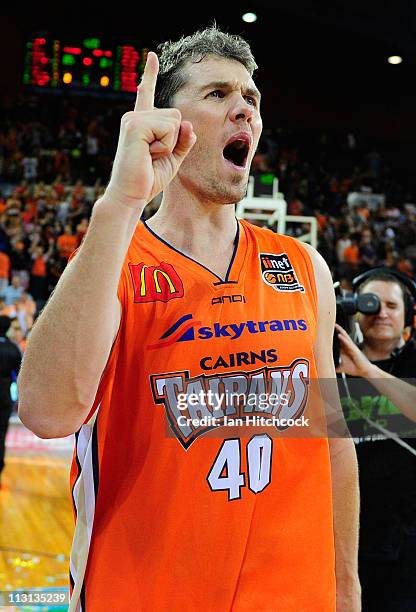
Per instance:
(55,158)
(364,204)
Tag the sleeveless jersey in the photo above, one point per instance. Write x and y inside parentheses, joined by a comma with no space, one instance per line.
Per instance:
(181,501)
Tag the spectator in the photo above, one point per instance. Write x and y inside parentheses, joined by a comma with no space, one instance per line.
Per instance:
(66,243)
(30,168)
(17,335)
(352,257)
(20,261)
(81,229)
(343,242)
(4,272)
(14,291)
(10,360)
(368,254)
(25,312)
(39,273)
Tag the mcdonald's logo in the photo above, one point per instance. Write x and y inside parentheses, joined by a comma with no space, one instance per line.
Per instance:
(155,283)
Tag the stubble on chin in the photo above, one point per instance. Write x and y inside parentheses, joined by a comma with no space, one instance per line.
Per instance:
(228,193)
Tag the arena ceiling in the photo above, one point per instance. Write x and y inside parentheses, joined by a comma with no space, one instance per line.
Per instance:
(388,21)
(320,60)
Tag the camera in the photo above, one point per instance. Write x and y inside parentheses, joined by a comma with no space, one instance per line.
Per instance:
(348,304)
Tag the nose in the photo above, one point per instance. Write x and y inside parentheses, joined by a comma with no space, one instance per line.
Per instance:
(241,110)
(383,312)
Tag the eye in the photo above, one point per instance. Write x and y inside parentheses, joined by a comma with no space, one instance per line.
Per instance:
(217,93)
(251,100)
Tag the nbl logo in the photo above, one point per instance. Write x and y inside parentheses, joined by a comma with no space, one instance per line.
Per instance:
(277,271)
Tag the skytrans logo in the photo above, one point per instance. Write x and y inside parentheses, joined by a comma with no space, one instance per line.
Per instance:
(186,329)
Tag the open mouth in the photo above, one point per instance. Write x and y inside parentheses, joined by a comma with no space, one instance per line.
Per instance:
(236,152)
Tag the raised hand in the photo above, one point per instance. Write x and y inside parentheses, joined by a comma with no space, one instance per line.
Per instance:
(152,145)
(353,360)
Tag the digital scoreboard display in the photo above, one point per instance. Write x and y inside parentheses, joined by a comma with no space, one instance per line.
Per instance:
(89,65)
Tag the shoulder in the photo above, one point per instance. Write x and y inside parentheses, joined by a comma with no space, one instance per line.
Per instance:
(322,274)
(305,258)
(321,269)
(324,286)
(266,236)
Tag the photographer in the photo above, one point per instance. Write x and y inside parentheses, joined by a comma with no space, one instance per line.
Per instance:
(383,405)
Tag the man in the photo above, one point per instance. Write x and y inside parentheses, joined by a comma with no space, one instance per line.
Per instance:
(187,514)
(14,291)
(4,272)
(10,358)
(387,553)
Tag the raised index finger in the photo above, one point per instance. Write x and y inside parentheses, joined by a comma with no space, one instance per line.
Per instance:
(146,90)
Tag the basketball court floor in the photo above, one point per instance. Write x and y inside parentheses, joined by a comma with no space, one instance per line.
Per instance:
(36,520)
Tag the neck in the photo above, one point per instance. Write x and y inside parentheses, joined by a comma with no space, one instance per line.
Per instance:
(194,226)
(377,350)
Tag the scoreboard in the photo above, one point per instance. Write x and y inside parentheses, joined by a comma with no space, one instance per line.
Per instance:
(89,64)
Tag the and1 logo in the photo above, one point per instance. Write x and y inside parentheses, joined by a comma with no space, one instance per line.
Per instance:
(277,271)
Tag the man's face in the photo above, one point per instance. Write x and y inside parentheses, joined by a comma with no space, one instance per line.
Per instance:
(388,324)
(223,104)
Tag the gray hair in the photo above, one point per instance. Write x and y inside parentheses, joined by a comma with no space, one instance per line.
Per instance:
(211,41)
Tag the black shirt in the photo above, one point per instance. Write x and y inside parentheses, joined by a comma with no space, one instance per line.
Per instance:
(387,471)
(10,360)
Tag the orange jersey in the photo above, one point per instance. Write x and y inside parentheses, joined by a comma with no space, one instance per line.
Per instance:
(4,265)
(66,244)
(178,504)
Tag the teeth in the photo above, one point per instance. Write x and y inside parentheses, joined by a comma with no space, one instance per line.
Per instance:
(239,144)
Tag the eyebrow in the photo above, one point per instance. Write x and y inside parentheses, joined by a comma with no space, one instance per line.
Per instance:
(251,91)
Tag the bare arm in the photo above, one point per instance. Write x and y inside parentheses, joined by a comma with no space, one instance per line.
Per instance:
(345,491)
(70,343)
(355,363)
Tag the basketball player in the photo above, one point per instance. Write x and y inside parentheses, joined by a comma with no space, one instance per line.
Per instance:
(151,328)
